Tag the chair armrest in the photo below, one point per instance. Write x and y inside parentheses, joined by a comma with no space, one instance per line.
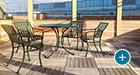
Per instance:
(89,29)
(38,29)
(42,30)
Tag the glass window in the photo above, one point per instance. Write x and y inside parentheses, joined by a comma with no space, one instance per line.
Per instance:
(96,9)
(52,9)
(59,5)
(131,9)
(128,2)
(16,9)
(35,6)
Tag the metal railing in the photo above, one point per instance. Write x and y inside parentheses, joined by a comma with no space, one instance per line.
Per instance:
(68,15)
(18,14)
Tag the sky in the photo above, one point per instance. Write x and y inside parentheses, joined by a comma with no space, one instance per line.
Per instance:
(49,1)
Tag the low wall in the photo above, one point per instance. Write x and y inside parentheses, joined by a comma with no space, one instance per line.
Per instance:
(128,27)
(109,32)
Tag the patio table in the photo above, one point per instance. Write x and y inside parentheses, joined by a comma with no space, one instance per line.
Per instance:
(55,28)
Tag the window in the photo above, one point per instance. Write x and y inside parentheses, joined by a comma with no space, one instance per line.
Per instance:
(96,9)
(16,9)
(131,9)
(114,2)
(35,6)
(52,9)
(59,5)
(128,2)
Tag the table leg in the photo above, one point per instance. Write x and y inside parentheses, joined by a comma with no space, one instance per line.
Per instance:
(57,42)
(62,41)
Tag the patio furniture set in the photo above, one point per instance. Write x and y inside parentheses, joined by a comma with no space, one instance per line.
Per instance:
(23,34)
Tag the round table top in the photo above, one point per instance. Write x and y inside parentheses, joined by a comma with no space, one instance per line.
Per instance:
(57,25)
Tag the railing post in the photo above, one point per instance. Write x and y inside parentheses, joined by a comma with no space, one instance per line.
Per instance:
(3,16)
(131,16)
(119,17)
(74,10)
(79,18)
(30,11)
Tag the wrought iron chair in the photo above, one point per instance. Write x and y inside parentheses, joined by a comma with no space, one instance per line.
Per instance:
(96,38)
(19,39)
(75,32)
(26,26)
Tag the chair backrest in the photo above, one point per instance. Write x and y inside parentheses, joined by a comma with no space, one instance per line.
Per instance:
(80,24)
(100,29)
(11,33)
(26,26)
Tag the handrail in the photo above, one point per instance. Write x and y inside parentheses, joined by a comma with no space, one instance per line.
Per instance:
(68,15)
(2,10)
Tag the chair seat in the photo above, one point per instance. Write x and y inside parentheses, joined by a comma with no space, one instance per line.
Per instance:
(86,38)
(32,44)
(89,39)
(36,37)
(37,45)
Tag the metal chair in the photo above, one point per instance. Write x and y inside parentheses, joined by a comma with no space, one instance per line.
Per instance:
(75,32)
(96,38)
(19,39)
(26,26)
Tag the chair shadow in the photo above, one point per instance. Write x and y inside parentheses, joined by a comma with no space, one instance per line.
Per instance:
(34,68)
(107,53)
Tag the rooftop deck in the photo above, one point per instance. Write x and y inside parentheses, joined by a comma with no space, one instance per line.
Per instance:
(62,63)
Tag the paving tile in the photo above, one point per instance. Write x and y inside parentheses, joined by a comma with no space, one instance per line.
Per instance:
(116,71)
(54,62)
(80,54)
(134,54)
(135,62)
(118,45)
(126,41)
(137,70)
(74,64)
(108,63)
(4,71)
(106,48)
(135,48)
(81,63)
(81,71)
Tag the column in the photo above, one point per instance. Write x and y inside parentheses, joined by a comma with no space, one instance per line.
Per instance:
(30,11)
(119,17)
(74,10)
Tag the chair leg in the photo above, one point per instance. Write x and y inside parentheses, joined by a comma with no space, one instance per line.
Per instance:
(30,48)
(101,48)
(87,50)
(77,43)
(42,47)
(40,56)
(68,41)
(42,43)
(11,55)
(82,45)
(22,59)
(17,48)
(28,53)
(95,45)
